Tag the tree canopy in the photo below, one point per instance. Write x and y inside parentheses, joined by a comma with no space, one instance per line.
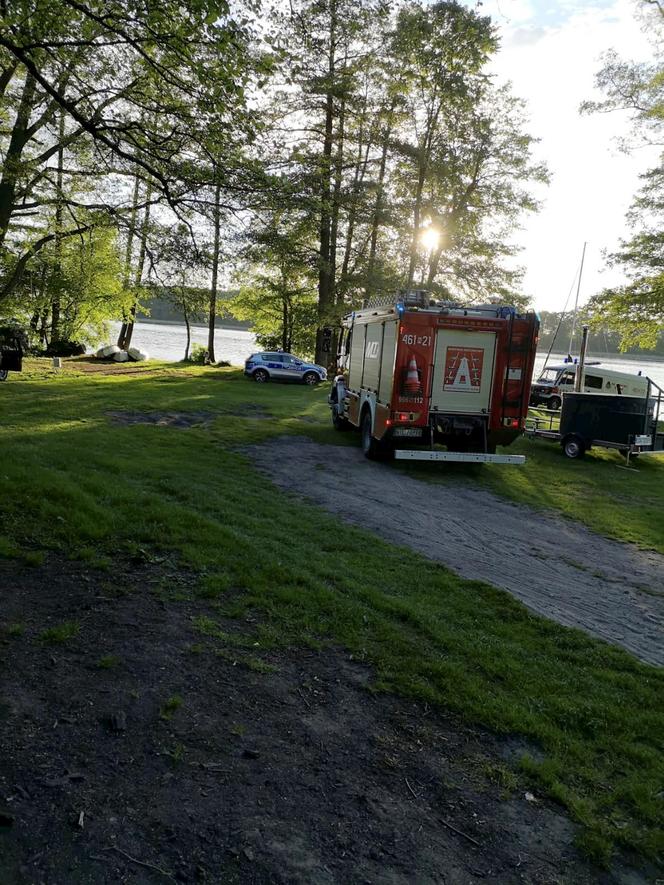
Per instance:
(636,308)
(314,151)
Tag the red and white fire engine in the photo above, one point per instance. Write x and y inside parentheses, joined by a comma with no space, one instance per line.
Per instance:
(420,372)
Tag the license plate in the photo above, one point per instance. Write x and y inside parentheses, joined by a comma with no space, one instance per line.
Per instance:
(408,431)
(643,440)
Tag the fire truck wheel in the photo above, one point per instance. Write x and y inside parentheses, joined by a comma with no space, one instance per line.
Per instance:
(573,446)
(4,374)
(261,376)
(370,445)
(555,403)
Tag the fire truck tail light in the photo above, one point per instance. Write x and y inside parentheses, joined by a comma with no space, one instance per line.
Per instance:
(400,417)
(511,422)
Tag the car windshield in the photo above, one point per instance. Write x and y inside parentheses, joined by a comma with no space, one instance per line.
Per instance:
(548,375)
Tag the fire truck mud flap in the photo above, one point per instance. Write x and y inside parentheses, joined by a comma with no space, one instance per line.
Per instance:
(468,457)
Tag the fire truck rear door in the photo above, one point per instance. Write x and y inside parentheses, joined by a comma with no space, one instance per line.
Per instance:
(463,371)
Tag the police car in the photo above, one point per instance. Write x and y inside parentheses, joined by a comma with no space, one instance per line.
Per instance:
(280,366)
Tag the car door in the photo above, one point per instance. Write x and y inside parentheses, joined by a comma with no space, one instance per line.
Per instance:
(274,363)
(292,367)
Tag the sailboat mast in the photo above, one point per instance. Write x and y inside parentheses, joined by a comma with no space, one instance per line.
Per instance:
(576,303)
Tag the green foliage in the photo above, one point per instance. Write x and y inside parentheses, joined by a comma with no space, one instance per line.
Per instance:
(636,309)
(198,355)
(84,277)
(278,291)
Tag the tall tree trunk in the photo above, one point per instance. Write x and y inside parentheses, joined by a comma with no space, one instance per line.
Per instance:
(336,199)
(139,268)
(128,254)
(375,221)
(11,161)
(361,165)
(215,274)
(185,314)
(55,304)
(285,342)
(325,280)
(417,209)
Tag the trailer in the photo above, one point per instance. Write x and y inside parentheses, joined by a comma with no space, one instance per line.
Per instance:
(415,372)
(597,420)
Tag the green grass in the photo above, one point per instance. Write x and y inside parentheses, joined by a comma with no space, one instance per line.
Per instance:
(108,662)
(73,481)
(170,707)
(60,634)
(14,630)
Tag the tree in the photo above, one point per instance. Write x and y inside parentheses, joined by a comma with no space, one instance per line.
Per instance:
(152,88)
(386,124)
(179,267)
(84,277)
(279,296)
(636,308)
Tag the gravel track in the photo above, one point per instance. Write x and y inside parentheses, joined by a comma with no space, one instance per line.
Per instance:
(557,567)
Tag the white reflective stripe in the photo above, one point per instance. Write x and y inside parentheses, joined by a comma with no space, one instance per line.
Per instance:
(428,455)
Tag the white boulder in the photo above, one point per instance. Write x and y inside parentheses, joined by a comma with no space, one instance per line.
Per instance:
(137,355)
(108,351)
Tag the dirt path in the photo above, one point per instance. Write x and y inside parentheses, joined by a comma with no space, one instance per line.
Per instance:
(556,567)
(296,776)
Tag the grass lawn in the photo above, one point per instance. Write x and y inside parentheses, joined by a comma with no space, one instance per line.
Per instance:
(74,481)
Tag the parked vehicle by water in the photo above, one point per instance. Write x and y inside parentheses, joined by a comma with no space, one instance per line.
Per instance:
(279,366)
(417,372)
(554,381)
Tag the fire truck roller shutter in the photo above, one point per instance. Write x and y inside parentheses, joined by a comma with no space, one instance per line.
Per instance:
(387,361)
(356,357)
(463,373)
(372,355)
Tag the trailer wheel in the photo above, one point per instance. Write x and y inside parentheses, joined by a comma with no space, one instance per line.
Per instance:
(555,403)
(574,446)
(4,373)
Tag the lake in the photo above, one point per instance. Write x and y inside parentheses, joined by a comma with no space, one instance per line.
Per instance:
(166,341)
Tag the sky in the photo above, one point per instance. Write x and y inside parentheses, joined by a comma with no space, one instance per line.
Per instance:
(551,53)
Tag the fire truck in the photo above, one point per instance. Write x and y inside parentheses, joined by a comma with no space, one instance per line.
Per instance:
(416,372)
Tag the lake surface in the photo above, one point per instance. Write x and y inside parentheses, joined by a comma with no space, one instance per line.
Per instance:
(166,341)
